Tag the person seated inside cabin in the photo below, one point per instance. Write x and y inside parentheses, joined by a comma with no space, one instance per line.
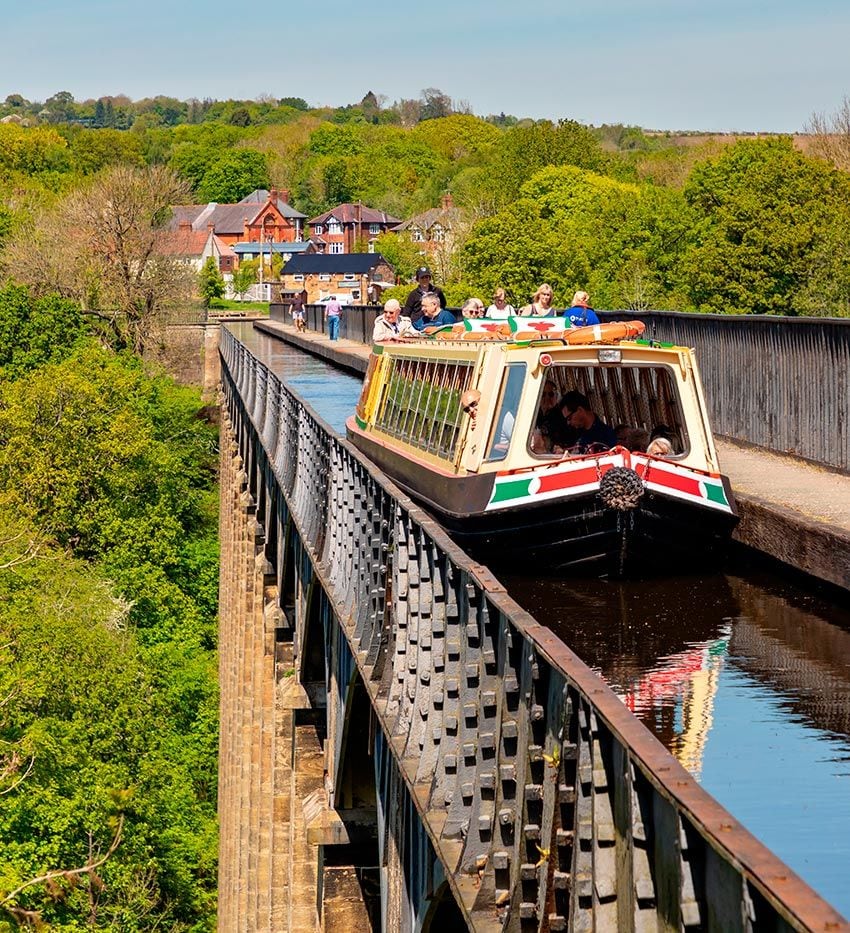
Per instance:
(550,427)
(633,439)
(433,315)
(660,442)
(593,434)
(392,325)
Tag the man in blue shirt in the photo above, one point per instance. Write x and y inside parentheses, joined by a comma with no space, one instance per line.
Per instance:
(432,314)
(593,434)
(580,314)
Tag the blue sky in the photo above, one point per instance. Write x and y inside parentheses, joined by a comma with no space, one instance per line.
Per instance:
(723,65)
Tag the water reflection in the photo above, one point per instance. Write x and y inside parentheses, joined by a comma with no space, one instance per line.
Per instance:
(746,679)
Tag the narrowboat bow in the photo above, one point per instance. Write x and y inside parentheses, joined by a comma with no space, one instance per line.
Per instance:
(463,421)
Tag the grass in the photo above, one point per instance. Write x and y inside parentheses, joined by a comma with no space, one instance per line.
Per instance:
(225,304)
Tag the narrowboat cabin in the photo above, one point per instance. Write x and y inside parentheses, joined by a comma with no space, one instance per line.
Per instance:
(469,422)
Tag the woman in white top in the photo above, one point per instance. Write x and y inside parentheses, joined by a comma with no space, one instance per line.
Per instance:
(500,310)
(541,303)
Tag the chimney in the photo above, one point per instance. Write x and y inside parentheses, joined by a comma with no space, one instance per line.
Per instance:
(273,195)
(284,195)
(447,202)
(185,225)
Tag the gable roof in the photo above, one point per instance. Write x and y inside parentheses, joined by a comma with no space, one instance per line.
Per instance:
(348,214)
(444,216)
(339,263)
(261,196)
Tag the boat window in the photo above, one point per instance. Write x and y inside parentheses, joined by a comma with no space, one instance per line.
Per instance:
(421,402)
(508,406)
(633,399)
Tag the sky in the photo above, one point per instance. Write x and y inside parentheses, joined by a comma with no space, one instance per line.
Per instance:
(714,65)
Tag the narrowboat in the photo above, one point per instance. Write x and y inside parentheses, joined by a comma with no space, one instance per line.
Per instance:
(457,420)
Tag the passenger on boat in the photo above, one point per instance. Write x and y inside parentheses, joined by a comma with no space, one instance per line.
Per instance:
(593,433)
(500,310)
(424,286)
(635,439)
(541,303)
(660,441)
(473,307)
(580,314)
(432,314)
(469,403)
(660,447)
(391,325)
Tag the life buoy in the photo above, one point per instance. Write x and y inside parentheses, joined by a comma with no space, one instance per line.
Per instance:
(604,333)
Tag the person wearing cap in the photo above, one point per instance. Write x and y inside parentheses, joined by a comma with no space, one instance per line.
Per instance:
(424,286)
(580,314)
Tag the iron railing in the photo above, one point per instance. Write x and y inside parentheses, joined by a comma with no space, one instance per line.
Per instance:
(548,804)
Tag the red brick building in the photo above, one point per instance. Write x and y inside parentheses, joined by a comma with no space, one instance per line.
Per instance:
(337,230)
(260,217)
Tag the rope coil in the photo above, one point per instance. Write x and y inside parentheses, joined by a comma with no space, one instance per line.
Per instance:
(621,488)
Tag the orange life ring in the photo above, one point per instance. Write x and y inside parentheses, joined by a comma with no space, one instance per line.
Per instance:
(604,333)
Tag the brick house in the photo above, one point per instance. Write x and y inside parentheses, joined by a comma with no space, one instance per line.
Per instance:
(436,232)
(337,274)
(194,247)
(260,217)
(337,230)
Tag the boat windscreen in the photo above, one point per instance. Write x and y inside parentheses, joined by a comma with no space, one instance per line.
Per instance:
(510,392)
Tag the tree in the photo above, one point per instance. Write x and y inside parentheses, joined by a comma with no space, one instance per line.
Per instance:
(106,247)
(831,136)
(210,282)
(297,103)
(240,117)
(60,107)
(234,175)
(243,278)
(764,211)
(434,104)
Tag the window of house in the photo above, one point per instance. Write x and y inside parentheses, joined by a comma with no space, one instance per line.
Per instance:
(334,226)
(371,246)
(318,229)
(337,247)
(374,228)
(324,277)
(416,235)
(438,235)
(349,277)
(297,278)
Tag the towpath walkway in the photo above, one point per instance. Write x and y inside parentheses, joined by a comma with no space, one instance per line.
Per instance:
(791,510)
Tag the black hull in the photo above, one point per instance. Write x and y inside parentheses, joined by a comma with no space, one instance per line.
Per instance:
(660,535)
(574,533)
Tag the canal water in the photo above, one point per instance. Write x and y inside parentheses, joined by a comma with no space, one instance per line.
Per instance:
(743,675)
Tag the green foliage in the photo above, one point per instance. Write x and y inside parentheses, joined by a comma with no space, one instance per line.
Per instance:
(210,282)
(243,278)
(107,669)
(35,331)
(401,253)
(764,211)
(100,727)
(234,175)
